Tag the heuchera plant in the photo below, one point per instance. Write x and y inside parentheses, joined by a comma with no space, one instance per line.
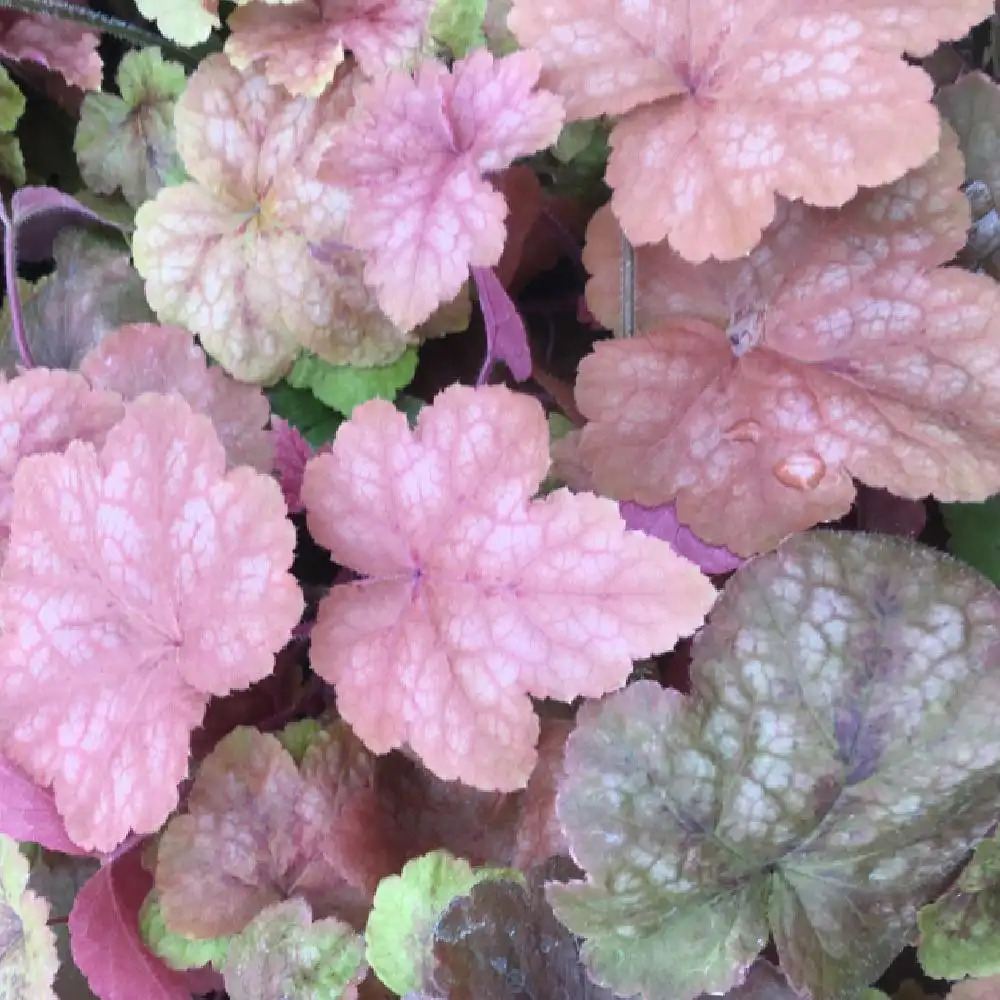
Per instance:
(499,498)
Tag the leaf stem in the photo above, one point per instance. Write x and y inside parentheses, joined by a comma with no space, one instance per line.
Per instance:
(13,292)
(628,287)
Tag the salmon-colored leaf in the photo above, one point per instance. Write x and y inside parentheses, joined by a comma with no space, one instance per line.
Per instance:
(140,580)
(145,357)
(838,348)
(301,45)
(259,829)
(57,44)
(414,155)
(722,104)
(476,595)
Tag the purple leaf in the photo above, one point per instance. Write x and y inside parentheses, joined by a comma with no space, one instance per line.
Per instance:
(39,213)
(506,337)
(28,812)
(661,522)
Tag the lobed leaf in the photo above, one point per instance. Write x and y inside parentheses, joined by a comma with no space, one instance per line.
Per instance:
(178,951)
(475,595)
(343,387)
(58,45)
(837,759)
(457,25)
(186,22)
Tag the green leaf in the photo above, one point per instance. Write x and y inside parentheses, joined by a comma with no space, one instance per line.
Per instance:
(298,736)
(12,102)
(458,25)
(960,933)
(176,950)
(282,953)
(837,759)
(128,142)
(975,534)
(316,423)
(342,387)
(400,928)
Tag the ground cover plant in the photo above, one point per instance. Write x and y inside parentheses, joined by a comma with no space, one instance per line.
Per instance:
(499,498)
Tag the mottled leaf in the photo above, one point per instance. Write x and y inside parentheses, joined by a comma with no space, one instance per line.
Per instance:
(177,950)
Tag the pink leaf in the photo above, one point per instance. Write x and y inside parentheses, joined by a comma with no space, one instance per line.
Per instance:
(476,594)
(506,337)
(38,214)
(104,936)
(662,522)
(43,411)
(145,357)
(54,43)
(718,106)
(414,154)
(291,453)
(301,45)
(28,813)
(140,580)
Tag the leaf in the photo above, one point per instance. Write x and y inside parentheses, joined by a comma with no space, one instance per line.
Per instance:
(186,22)
(972,108)
(834,350)
(240,255)
(400,930)
(29,813)
(474,595)
(128,142)
(93,290)
(343,387)
(105,939)
(146,357)
(177,951)
(57,44)
(975,534)
(837,759)
(283,953)
(501,940)
(39,214)
(12,106)
(301,45)
(316,422)
(457,25)
(259,829)
(506,337)
(422,211)
(719,112)
(167,578)
(291,454)
(28,960)
(976,989)
(44,411)
(960,932)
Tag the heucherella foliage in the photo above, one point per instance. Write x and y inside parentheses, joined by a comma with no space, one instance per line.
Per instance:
(400,930)
(28,959)
(838,348)
(12,105)
(475,595)
(186,22)
(234,254)
(837,758)
(414,156)
(58,45)
(145,567)
(960,933)
(127,142)
(178,951)
(457,25)
(301,45)
(722,105)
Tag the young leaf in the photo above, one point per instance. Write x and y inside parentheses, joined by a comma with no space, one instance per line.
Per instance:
(301,45)
(186,22)
(259,829)
(29,813)
(413,155)
(240,254)
(291,455)
(283,953)
(146,357)
(28,959)
(975,534)
(12,105)
(458,25)
(166,576)
(834,350)
(506,336)
(177,951)
(105,939)
(317,423)
(128,142)
(837,759)
(960,933)
(44,411)
(343,387)
(58,45)
(39,214)
(476,595)
(719,111)
(400,930)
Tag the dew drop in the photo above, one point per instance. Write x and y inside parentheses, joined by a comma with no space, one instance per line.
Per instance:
(745,332)
(743,430)
(801,471)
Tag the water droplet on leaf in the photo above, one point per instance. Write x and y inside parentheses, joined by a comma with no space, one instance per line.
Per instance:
(801,471)
(743,430)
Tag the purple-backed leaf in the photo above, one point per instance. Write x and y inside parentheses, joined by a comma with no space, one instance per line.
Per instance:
(502,941)
(661,522)
(291,452)
(38,214)
(837,759)
(506,337)
(28,813)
